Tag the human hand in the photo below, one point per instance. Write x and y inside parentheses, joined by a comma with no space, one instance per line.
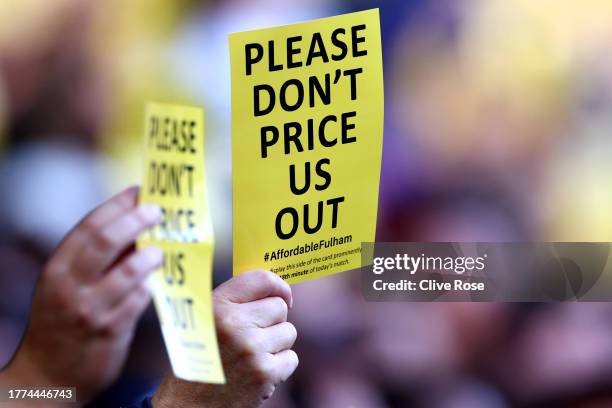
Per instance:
(88,300)
(255,341)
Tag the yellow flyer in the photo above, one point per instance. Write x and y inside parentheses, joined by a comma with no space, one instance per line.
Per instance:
(307,126)
(174,179)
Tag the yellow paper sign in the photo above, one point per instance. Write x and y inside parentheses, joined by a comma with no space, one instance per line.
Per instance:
(307,124)
(174,179)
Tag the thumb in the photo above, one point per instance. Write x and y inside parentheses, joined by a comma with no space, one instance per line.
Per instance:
(254,285)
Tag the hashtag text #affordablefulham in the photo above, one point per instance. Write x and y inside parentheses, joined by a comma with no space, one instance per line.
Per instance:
(310,246)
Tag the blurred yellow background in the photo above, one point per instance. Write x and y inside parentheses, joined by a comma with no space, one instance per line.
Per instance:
(498,127)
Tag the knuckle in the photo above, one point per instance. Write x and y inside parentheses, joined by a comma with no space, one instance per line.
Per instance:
(225,320)
(103,240)
(226,328)
(61,297)
(292,331)
(261,276)
(105,326)
(85,316)
(131,269)
(250,345)
(91,224)
(281,306)
(218,295)
(268,277)
(263,371)
(139,220)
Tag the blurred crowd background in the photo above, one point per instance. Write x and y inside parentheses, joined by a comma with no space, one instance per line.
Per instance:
(498,127)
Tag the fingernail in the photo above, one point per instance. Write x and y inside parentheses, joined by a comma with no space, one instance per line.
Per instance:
(151,211)
(155,254)
(291,302)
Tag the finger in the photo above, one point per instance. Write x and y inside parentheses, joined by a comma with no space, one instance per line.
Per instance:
(124,317)
(264,312)
(126,276)
(102,247)
(255,285)
(278,337)
(103,214)
(285,363)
